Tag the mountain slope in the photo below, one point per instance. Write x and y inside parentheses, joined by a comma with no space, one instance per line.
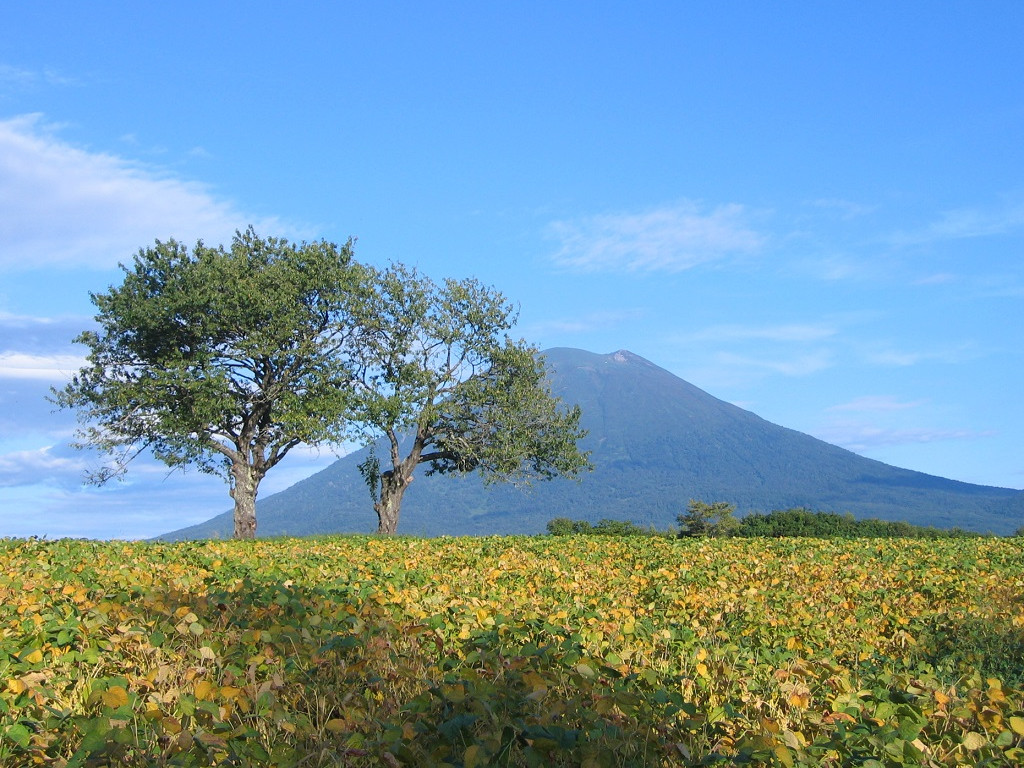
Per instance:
(657,441)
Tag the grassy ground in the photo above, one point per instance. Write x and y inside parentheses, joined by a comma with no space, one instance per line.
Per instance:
(588,651)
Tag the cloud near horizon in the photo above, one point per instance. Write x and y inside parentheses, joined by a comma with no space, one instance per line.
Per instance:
(65,206)
(671,238)
(17,365)
(864,437)
(60,465)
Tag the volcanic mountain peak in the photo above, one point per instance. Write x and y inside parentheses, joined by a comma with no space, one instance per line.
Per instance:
(656,441)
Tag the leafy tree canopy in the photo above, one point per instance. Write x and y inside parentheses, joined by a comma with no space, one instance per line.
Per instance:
(703,519)
(441,383)
(225,359)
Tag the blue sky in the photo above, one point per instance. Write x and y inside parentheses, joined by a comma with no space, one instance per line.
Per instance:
(812,210)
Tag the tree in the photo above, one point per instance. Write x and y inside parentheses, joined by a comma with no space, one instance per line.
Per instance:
(225,359)
(703,519)
(440,383)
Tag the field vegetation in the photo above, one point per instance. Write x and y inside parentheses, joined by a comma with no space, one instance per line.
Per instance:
(576,650)
(718,520)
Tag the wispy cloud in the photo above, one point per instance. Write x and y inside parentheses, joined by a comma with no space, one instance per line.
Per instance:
(19,77)
(846,209)
(58,465)
(891,357)
(876,403)
(793,332)
(802,364)
(964,223)
(69,207)
(939,278)
(583,323)
(671,239)
(862,437)
(18,365)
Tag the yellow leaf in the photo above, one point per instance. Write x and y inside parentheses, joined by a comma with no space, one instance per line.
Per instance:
(203,690)
(784,755)
(16,686)
(454,692)
(472,757)
(702,670)
(535,681)
(1017,725)
(230,691)
(799,699)
(973,741)
(115,696)
(336,726)
(990,718)
(33,658)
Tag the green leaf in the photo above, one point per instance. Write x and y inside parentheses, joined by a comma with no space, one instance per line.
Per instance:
(19,734)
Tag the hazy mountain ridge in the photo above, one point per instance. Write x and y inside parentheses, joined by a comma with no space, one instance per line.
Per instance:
(657,441)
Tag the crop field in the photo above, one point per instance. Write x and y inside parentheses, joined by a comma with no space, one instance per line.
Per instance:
(574,651)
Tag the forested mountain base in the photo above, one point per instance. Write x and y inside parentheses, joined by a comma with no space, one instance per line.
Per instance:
(593,651)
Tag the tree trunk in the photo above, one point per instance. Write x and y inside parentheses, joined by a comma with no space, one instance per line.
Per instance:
(243,491)
(392,487)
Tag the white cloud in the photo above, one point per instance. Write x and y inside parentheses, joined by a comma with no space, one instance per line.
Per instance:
(887,356)
(68,207)
(671,238)
(21,78)
(939,278)
(876,403)
(863,437)
(799,365)
(846,209)
(48,464)
(584,323)
(964,223)
(16,365)
(792,332)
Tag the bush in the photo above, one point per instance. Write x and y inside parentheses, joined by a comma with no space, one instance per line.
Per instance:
(703,519)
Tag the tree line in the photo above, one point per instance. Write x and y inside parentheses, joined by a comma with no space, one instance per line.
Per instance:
(718,520)
(227,359)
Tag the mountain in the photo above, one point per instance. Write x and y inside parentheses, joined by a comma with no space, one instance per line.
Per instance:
(656,441)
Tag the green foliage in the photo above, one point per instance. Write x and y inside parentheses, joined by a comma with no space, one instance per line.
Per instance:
(563,526)
(830,525)
(717,520)
(587,651)
(222,359)
(440,383)
(702,520)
